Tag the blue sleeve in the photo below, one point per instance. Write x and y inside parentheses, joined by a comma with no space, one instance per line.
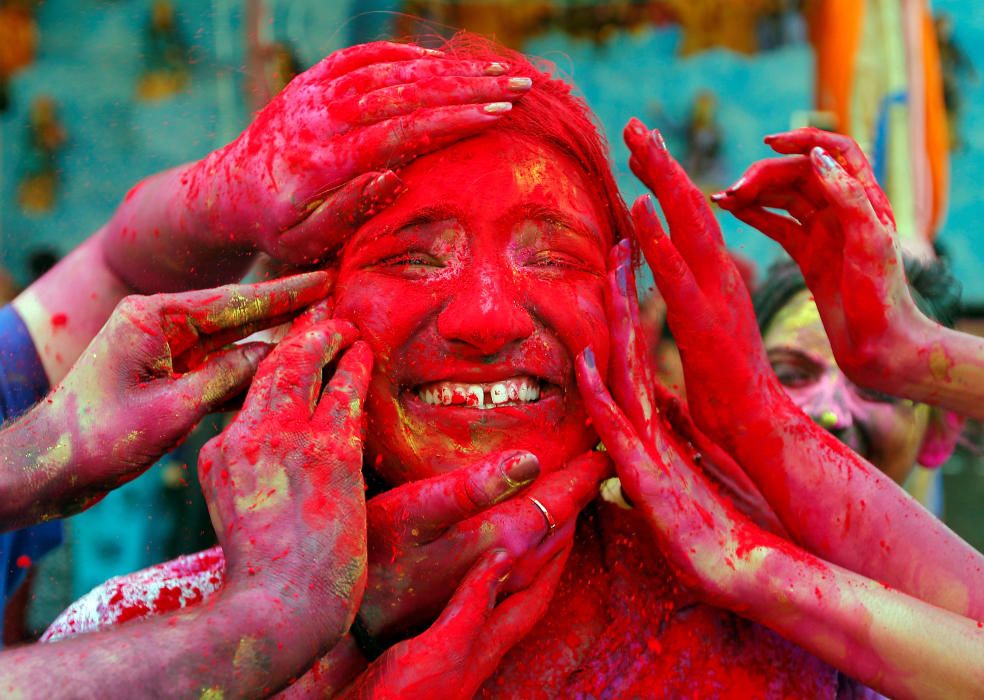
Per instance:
(22,379)
(23,383)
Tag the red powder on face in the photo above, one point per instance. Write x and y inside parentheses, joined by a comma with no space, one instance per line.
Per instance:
(23,561)
(59,320)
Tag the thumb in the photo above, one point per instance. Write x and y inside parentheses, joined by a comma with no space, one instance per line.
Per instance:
(223,374)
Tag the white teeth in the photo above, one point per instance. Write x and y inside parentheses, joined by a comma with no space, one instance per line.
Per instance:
(474,396)
(512,391)
(499,393)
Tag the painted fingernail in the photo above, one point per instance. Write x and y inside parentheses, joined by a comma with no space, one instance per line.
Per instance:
(650,206)
(520,84)
(718,196)
(823,159)
(737,186)
(498,107)
(657,139)
(520,470)
(589,357)
(496,69)
(433,52)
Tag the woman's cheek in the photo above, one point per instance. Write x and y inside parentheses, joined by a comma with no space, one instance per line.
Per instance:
(575,312)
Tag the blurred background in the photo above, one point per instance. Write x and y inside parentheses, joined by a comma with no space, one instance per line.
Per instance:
(97,94)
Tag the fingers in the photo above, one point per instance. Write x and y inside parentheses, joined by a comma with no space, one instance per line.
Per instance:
(395,141)
(469,607)
(355,57)
(403,73)
(671,272)
(563,494)
(781,183)
(433,505)
(631,368)
(222,376)
(845,151)
(235,311)
(288,381)
(518,614)
(335,216)
(613,427)
(785,231)
(687,213)
(440,91)
(340,409)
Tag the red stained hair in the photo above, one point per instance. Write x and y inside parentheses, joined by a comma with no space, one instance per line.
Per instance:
(550,113)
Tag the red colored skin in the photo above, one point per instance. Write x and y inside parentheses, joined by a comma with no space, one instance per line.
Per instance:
(293,577)
(309,169)
(842,235)
(857,624)
(157,356)
(300,179)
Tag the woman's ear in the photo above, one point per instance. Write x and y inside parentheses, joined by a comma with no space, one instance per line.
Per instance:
(941,438)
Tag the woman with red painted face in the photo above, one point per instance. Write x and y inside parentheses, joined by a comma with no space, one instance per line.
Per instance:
(476,308)
(842,235)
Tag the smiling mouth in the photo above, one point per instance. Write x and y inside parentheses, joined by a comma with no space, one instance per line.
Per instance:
(514,391)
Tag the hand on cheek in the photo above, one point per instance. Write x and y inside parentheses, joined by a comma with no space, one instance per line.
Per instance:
(284,483)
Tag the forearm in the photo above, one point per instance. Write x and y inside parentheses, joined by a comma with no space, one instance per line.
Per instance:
(246,644)
(65,308)
(896,644)
(943,367)
(843,509)
(36,464)
(159,239)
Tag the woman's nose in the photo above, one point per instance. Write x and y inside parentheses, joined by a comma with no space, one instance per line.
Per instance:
(486,313)
(830,405)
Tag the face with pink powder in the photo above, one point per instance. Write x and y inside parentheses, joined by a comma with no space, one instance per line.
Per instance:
(476,290)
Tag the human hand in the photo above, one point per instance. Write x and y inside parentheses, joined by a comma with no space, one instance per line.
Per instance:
(145,380)
(842,236)
(319,158)
(284,484)
(465,645)
(425,535)
(708,307)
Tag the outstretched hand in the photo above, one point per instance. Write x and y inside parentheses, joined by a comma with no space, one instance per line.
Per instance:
(319,158)
(841,233)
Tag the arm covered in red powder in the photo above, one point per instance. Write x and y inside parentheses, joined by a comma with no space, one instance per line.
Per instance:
(311,167)
(830,500)
(843,238)
(285,493)
(157,367)
(869,631)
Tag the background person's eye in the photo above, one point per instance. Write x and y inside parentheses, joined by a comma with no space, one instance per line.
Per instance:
(791,374)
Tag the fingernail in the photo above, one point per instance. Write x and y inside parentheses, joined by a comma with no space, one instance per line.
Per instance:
(589,357)
(520,83)
(718,196)
(657,139)
(622,279)
(386,185)
(433,52)
(496,69)
(739,183)
(650,205)
(827,164)
(498,107)
(520,470)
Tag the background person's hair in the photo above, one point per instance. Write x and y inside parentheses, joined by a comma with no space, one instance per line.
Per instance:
(550,113)
(934,289)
